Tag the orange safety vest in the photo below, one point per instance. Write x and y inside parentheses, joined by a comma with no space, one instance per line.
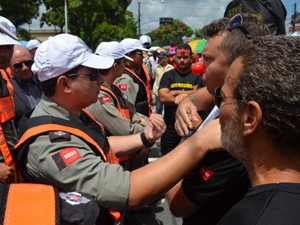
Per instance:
(7,112)
(29,204)
(124,111)
(144,89)
(42,126)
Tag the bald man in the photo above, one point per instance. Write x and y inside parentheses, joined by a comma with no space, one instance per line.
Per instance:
(27,86)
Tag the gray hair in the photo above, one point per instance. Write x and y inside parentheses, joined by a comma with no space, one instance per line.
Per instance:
(271,77)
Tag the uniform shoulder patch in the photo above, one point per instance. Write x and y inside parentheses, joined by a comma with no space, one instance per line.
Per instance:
(59,136)
(105,99)
(123,87)
(66,157)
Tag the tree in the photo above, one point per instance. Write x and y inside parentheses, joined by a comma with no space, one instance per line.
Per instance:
(20,12)
(92,20)
(168,33)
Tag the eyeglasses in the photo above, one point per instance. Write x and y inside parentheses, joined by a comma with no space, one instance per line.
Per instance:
(19,65)
(219,98)
(236,22)
(93,76)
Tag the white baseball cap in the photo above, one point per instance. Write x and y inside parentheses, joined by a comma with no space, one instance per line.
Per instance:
(145,39)
(32,44)
(130,45)
(64,52)
(112,49)
(7,32)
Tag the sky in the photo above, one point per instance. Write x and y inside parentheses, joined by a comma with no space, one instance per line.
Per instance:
(194,13)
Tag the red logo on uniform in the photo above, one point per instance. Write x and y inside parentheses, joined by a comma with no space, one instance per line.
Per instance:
(123,87)
(106,99)
(69,155)
(205,172)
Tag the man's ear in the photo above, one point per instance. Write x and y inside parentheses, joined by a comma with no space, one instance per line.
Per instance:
(63,83)
(252,118)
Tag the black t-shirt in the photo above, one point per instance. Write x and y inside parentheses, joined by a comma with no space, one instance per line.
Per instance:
(174,80)
(269,204)
(216,184)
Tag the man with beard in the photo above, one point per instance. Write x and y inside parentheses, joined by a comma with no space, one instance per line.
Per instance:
(175,82)
(260,126)
(219,181)
(8,134)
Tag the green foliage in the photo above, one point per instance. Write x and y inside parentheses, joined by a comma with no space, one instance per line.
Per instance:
(198,33)
(165,34)
(20,12)
(92,20)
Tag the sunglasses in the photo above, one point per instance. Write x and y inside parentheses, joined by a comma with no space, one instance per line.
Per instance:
(236,22)
(27,63)
(93,76)
(219,98)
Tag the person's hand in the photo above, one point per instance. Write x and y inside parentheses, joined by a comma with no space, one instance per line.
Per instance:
(209,136)
(179,98)
(186,115)
(155,127)
(6,173)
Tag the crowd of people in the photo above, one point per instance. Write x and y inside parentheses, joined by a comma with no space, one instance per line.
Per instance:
(84,122)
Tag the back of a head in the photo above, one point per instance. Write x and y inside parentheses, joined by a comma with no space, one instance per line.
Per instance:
(235,41)
(271,77)
(272,13)
(145,41)
(32,44)
(215,28)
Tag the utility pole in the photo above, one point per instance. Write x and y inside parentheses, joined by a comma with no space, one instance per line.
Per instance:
(295,16)
(66,16)
(139,18)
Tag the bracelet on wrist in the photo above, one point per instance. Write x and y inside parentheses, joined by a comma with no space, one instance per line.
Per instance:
(145,141)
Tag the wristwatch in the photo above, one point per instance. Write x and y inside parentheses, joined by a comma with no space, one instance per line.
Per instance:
(145,141)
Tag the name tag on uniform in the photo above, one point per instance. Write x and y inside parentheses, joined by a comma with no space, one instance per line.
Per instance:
(66,157)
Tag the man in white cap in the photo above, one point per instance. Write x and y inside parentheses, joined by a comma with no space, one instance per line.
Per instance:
(112,108)
(8,134)
(62,145)
(147,43)
(135,81)
(32,45)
